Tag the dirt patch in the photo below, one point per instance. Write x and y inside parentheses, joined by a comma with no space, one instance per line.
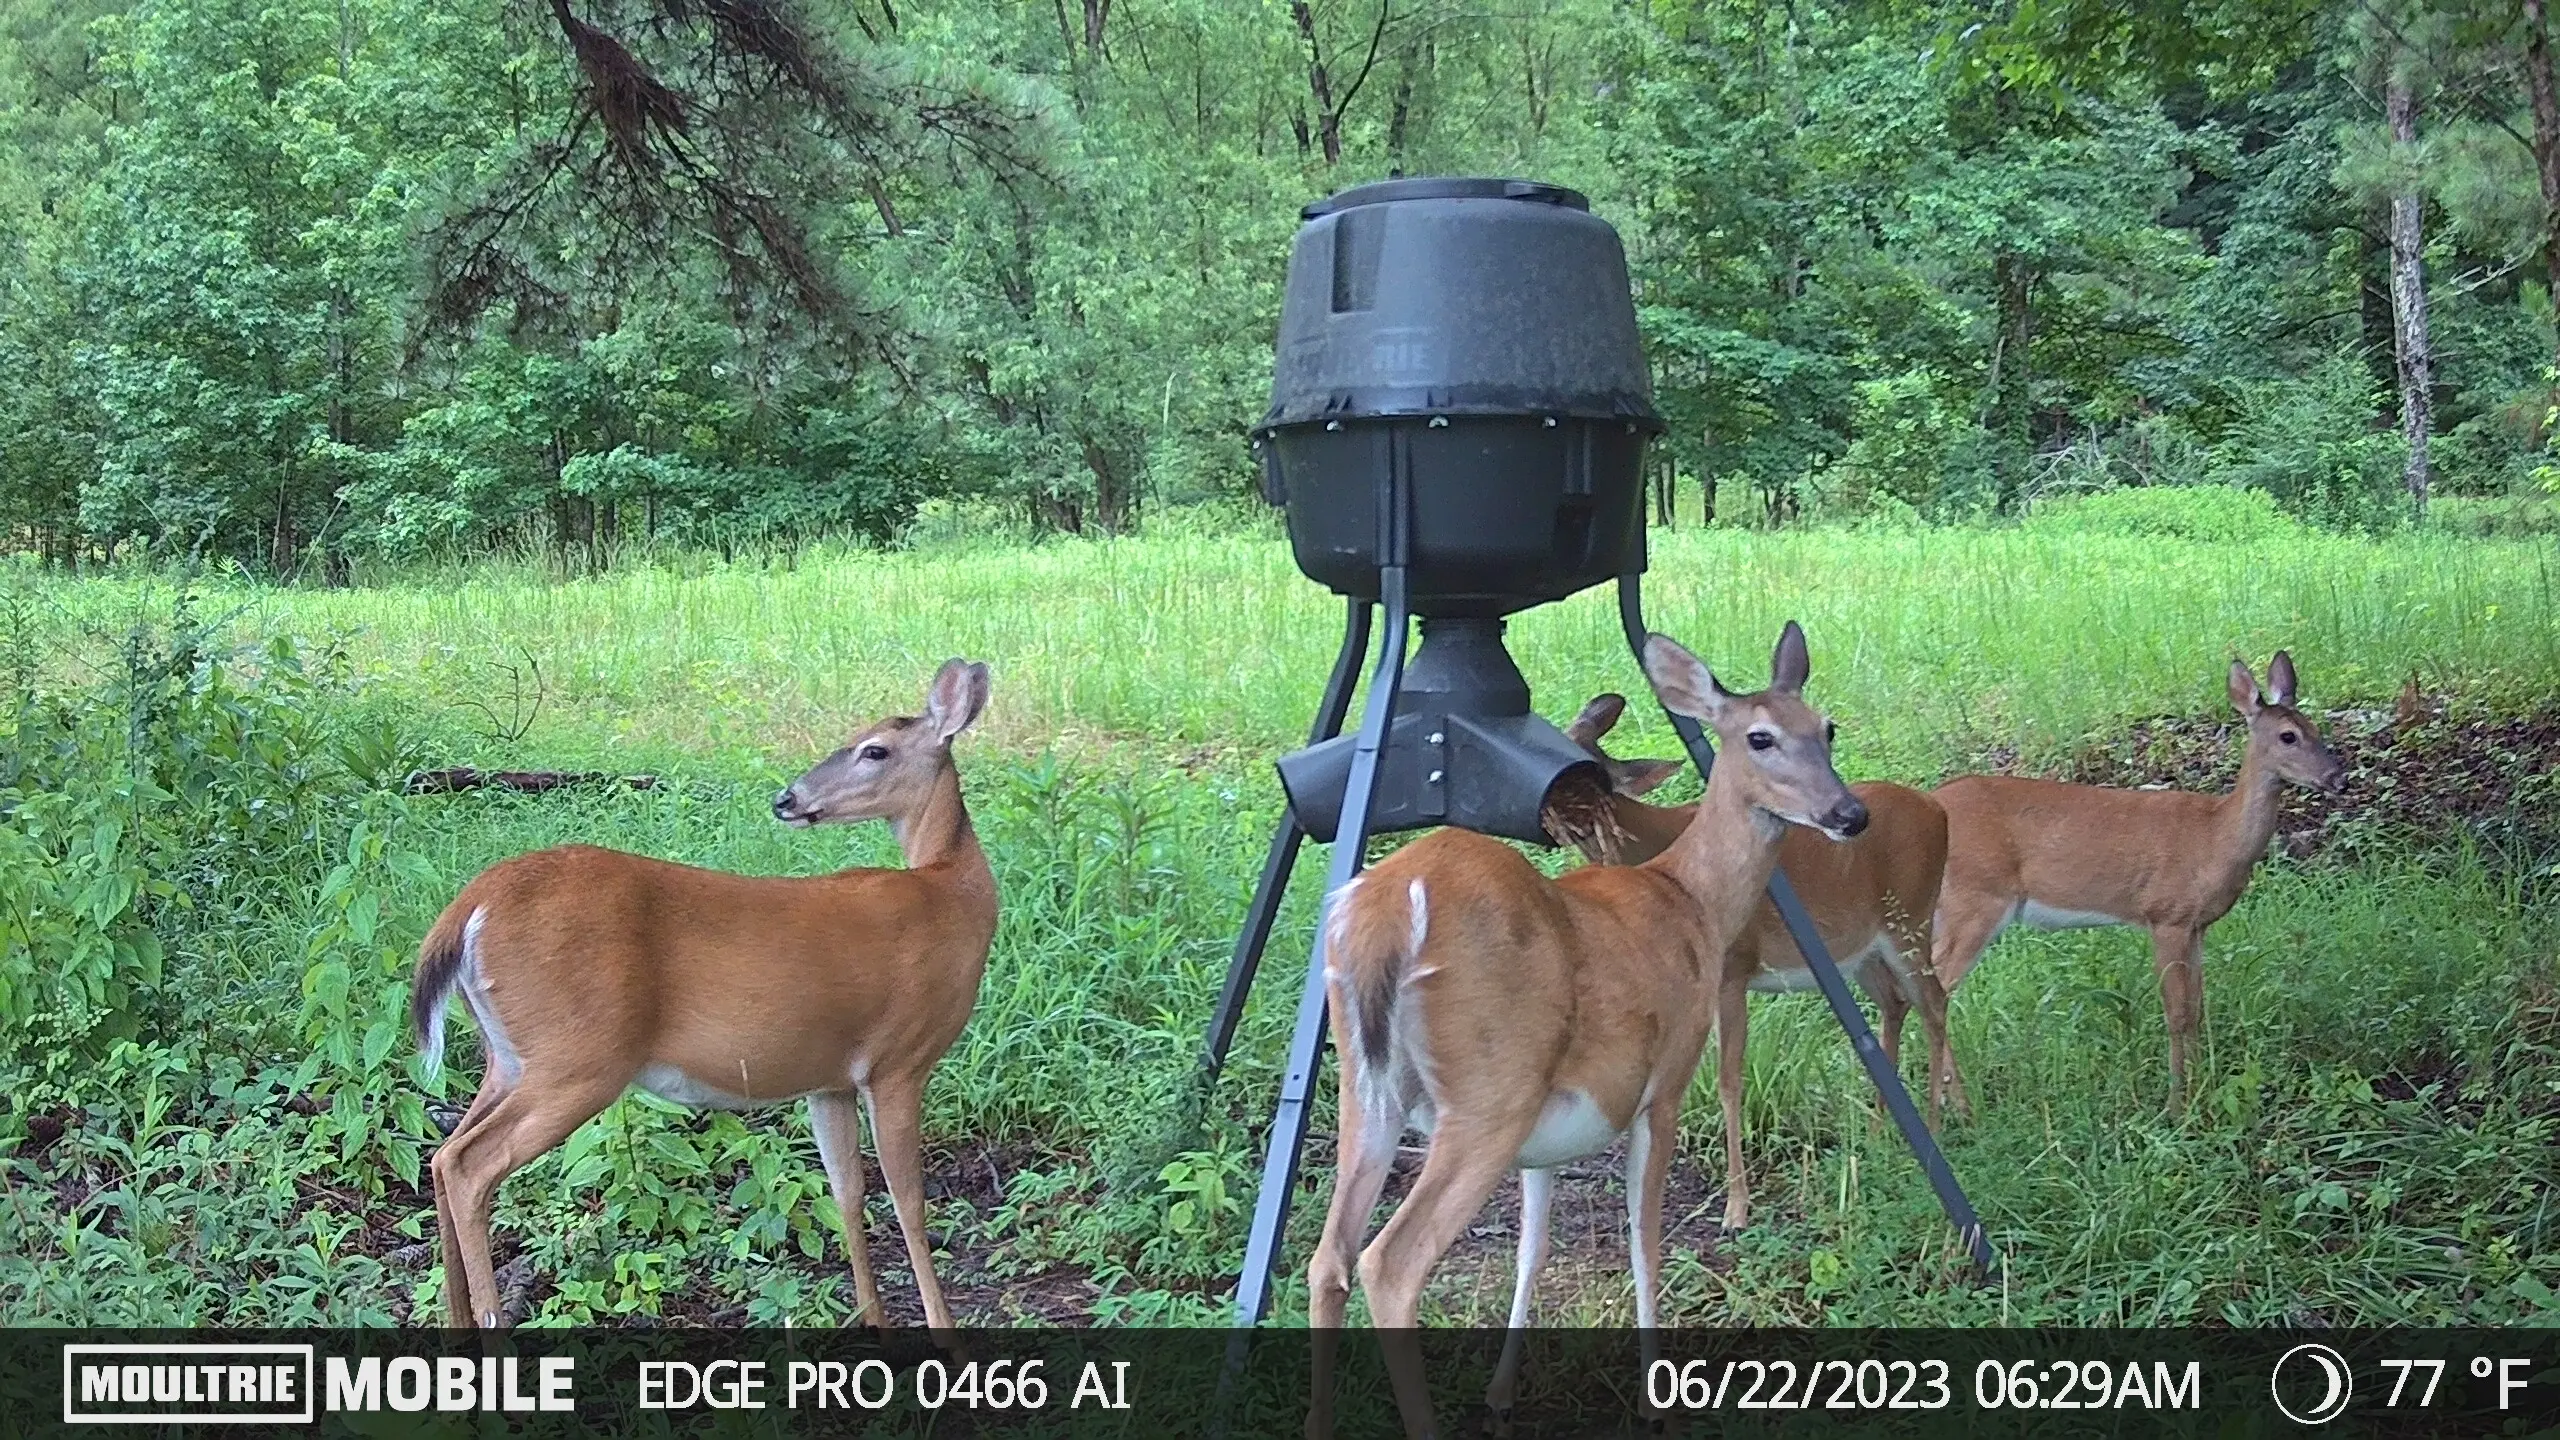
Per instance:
(1586,1271)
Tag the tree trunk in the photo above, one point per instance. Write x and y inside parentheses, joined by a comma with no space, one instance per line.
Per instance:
(2373,294)
(2409,302)
(2546,138)
(1529,80)
(1400,114)
(1320,85)
(284,544)
(2012,281)
(1111,498)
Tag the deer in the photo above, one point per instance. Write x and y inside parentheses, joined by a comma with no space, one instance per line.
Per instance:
(590,971)
(1872,899)
(2054,856)
(1523,1023)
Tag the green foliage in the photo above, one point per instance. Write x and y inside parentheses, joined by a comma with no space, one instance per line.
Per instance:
(238,1138)
(2212,513)
(2310,444)
(235,325)
(1908,441)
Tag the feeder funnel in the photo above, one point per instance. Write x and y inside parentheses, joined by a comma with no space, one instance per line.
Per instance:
(1464,749)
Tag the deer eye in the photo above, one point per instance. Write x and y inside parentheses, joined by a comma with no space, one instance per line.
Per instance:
(2286,736)
(875,752)
(1762,740)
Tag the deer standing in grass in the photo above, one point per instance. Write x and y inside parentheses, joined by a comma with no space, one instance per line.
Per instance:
(1870,898)
(2057,856)
(590,971)
(1523,1023)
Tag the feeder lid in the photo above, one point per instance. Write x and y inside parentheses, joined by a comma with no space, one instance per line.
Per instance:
(1447,187)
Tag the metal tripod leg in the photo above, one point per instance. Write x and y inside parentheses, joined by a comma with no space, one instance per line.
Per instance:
(1283,859)
(1817,959)
(1306,1044)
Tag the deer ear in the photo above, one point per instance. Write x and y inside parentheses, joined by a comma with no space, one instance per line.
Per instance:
(1596,719)
(1682,681)
(2280,679)
(1789,665)
(1632,778)
(959,692)
(2244,688)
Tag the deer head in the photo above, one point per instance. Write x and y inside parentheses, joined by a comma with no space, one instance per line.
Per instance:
(1777,747)
(2285,741)
(893,767)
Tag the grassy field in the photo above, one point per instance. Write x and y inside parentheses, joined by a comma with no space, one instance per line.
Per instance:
(215,1116)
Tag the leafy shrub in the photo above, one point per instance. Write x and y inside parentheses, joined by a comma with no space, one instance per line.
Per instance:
(193,796)
(2311,444)
(2500,517)
(1903,430)
(2219,513)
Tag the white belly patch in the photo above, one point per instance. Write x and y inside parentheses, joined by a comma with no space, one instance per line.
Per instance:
(669,1083)
(1799,976)
(1793,978)
(1570,1127)
(2046,917)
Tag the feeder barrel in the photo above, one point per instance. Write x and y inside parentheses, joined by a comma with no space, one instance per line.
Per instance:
(1473,342)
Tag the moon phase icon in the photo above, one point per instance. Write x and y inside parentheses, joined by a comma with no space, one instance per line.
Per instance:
(2307,1371)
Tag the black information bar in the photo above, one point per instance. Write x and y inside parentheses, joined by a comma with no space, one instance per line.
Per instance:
(2196,1383)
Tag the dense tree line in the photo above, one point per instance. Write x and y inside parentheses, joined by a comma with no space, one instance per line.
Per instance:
(302,281)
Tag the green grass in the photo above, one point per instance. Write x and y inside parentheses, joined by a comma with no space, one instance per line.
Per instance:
(1121,785)
(1927,644)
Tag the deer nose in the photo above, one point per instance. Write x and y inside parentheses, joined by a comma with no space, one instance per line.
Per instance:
(784,807)
(1849,816)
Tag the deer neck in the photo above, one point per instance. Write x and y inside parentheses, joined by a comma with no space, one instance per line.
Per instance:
(1724,857)
(2246,819)
(1650,829)
(939,830)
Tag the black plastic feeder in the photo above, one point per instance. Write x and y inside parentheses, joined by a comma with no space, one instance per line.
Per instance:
(1457,429)
(1459,394)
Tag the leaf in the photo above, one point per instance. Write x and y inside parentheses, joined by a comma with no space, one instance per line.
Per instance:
(378,1040)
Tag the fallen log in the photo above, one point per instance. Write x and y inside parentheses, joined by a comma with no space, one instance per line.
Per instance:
(531,782)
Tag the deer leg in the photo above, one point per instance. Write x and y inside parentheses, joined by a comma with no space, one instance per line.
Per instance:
(1365,1155)
(1733,1026)
(525,1123)
(1650,1141)
(897,1132)
(1914,984)
(2173,960)
(1537,1197)
(1943,1079)
(1882,983)
(457,1295)
(1964,925)
(1935,992)
(836,1119)
(1468,1158)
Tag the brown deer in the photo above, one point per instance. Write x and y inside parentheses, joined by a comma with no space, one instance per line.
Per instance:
(2056,856)
(590,971)
(1523,1023)
(1871,900)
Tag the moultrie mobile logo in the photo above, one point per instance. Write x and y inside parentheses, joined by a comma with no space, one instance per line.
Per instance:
(192,1384)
